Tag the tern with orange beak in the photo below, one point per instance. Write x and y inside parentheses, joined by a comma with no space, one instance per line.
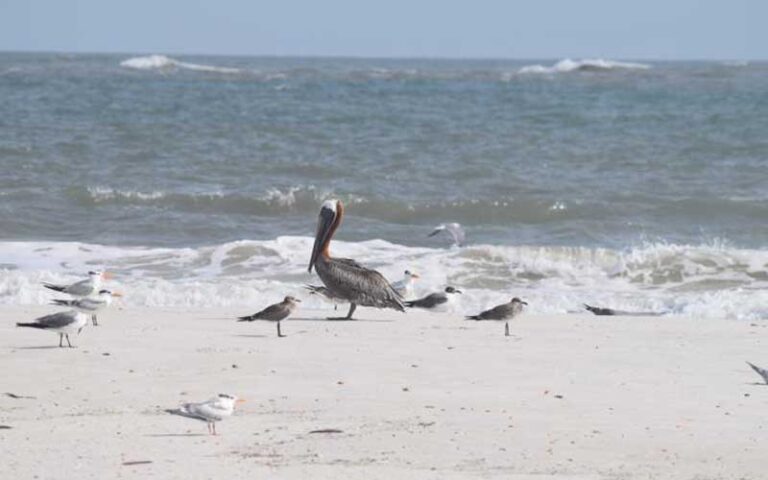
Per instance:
(405,286)
(89,305)
(345,278)
(214,410)
(83,288)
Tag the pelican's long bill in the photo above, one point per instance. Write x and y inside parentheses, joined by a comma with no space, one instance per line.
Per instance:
(325,224)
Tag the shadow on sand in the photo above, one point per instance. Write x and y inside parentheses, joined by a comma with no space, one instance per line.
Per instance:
(325,320)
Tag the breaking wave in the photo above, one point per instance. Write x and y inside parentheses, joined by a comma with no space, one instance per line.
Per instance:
(700,280)
(161,62)
(588,65)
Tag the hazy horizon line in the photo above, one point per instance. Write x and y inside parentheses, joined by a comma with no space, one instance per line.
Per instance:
(377,57)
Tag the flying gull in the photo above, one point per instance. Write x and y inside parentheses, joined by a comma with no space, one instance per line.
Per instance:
(455,231)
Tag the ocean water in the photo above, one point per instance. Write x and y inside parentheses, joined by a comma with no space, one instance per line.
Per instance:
(197,180)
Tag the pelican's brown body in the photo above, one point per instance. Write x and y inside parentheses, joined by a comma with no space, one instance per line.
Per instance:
(345,278)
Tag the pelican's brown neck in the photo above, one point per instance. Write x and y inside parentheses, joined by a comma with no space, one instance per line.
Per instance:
(336,222)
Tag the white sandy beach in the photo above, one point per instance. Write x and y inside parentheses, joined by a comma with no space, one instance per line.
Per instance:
(414,396)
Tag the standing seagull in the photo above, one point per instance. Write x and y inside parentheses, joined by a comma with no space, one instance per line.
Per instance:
(344,277)
(62,323)
(405,286)
(760,371)
(274,313)
(210,411)
(83,288)
(435,301)
(453,229)
(505,312)
(90,305)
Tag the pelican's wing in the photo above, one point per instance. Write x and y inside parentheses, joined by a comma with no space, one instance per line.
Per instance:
(364,286)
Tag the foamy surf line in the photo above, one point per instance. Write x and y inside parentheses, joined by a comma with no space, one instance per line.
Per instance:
(161,62)
(713,281)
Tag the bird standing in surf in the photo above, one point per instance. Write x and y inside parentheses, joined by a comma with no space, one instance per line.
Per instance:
(274,313)
(89,305)
(62,323)
(344,277)
(211,411)
(504,312)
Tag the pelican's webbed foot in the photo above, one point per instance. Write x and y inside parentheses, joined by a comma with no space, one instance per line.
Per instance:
(352,308)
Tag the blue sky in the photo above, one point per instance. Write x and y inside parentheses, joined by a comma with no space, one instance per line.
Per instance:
(648,29)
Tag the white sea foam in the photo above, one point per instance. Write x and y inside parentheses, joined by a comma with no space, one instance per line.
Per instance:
(161,62)
(706,280)
(586,65)
(101,194)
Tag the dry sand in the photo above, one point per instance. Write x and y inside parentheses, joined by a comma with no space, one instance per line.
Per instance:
(414,396)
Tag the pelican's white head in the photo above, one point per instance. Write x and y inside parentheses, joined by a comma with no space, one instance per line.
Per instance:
(329,204)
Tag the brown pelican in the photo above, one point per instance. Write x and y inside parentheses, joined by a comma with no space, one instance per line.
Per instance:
(62,323)
(274,313)
(345,278)
(503,312)
(435,301)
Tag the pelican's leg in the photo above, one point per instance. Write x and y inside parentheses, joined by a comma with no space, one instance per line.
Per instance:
(61,339)
(352,308)
(93,319)
(506,329)
(208,426)
(70,345)
(214,427)
(279,334)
